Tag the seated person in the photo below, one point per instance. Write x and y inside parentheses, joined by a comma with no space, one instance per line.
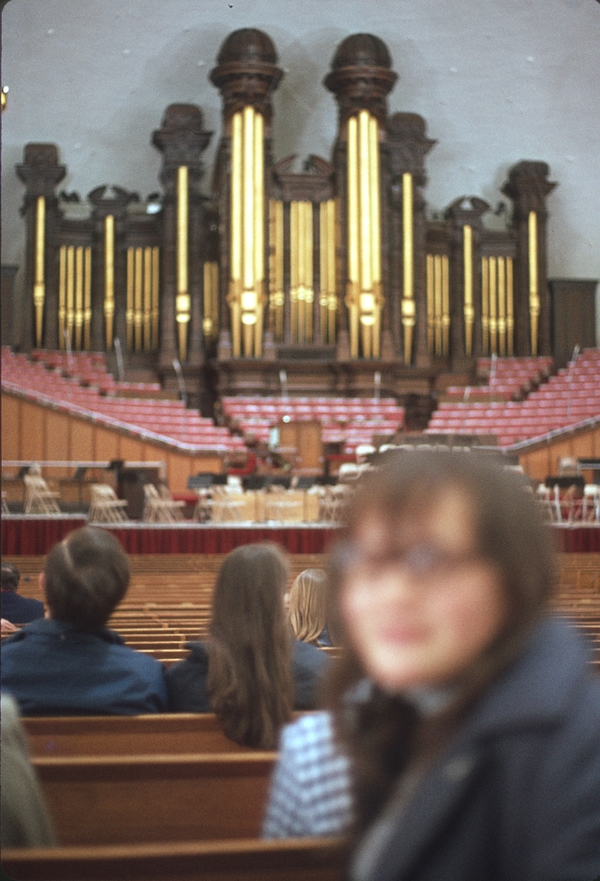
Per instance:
(250,672)
(469,714)
(25,819)
(71,663)
(307,607)
(15,608)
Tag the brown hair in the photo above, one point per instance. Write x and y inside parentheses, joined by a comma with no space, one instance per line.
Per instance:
(10,577)
(308,605)
(249,669)
(383,732)
(86,577)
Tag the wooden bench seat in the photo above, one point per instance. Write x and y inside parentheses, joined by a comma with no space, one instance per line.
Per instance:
(147,798)
(306,859)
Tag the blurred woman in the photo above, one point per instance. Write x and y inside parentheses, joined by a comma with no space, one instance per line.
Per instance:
(247,672)
(307,607)
(465,719)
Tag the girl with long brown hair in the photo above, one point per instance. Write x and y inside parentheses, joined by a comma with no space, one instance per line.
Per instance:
(243,672)
(464,718)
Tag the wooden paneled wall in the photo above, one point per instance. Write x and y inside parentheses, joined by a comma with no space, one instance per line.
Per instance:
(32,432)
(542,460)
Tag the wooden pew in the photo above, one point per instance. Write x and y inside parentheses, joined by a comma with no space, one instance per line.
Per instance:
(307,859)
(123,799)
(152,734)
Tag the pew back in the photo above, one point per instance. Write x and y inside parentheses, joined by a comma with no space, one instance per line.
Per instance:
(122,799)
(305,859)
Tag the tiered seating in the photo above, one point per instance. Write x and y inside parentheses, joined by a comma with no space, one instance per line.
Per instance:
(570,397)
(168,419)
(90,369)
(507,379)
(348,421)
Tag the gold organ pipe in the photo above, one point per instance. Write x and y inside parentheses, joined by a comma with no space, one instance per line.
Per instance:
(310,292)
(364,167)
(408,304)
(323,268)
(353,234)
(301,257)
(129,309)
(259,229)
(294,266)
(430,303)
(137,294)
(109,278)
(445,306)
(501,306)
(331,276)
(277,295)
(70,292)
(182,229)
(87,300)
(510,320)
(534,296)
(39,284)
(438,303)
(78,296)
(147,298)
(182,301)
(493,305)
(485,298)
(375,205)
(248,196)
(236,222)
(155,293)
(468,309)
(62,296)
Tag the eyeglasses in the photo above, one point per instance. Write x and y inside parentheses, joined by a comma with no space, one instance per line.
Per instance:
(423,562)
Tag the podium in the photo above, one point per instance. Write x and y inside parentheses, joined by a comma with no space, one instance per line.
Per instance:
(301,444)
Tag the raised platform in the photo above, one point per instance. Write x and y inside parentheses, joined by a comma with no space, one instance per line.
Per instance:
(23,535)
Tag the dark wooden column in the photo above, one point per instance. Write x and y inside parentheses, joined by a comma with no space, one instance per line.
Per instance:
(407,146)
(464,212)
(361,79)
(181,139)
(114,204)
(40,172)
(528,186)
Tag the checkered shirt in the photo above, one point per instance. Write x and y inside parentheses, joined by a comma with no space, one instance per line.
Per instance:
(310,789)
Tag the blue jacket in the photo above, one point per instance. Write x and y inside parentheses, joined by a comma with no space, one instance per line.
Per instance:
(516,797)
(20,610)
(52,668)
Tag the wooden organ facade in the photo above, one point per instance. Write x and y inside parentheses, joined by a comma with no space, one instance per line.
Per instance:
(320,279)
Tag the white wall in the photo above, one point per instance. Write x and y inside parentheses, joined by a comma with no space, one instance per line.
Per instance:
(497,81)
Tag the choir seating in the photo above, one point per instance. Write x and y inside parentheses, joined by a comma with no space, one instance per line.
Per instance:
(345,421)
(569,398)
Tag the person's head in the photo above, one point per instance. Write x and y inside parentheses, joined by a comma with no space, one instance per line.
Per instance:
(250,680)
(445,565)
(308,605)
(10,576)
(85,577)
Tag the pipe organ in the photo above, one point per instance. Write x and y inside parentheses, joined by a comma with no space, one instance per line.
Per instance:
(337,261)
